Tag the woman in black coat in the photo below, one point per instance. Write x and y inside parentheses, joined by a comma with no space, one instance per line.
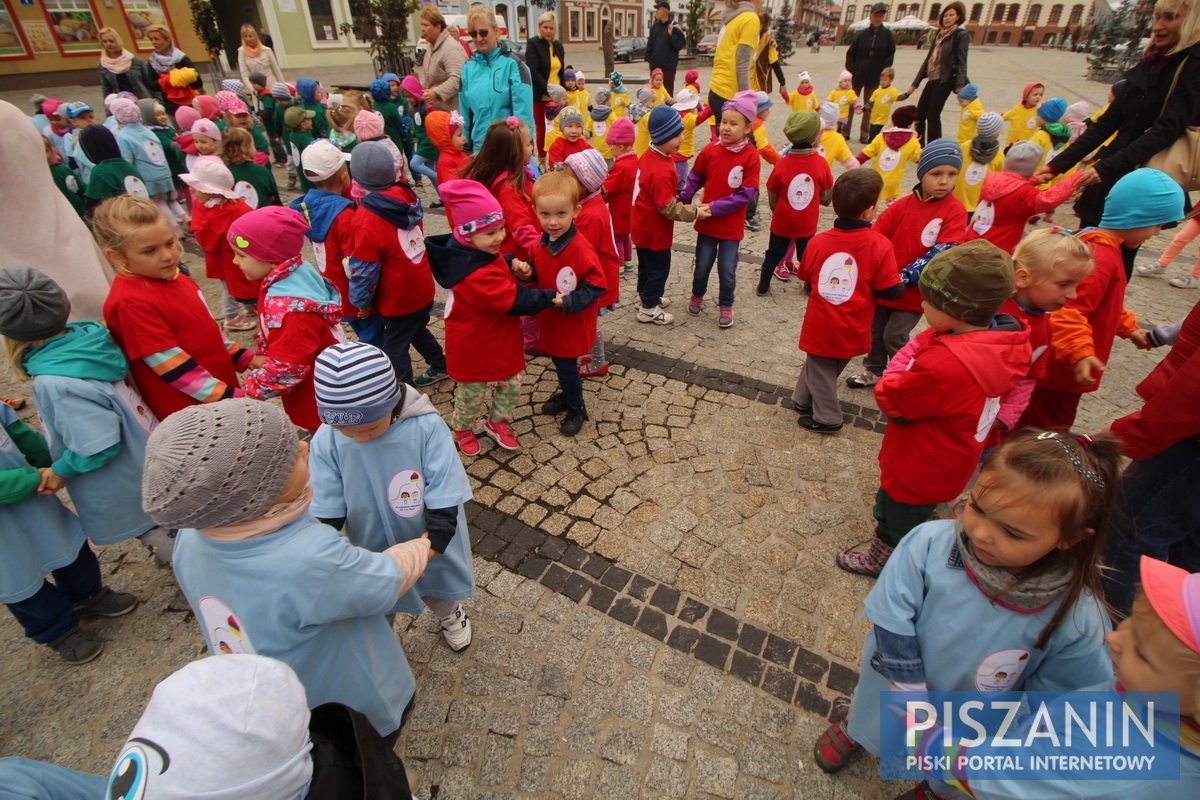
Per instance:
(1144,119)
(945,66)
(543,51)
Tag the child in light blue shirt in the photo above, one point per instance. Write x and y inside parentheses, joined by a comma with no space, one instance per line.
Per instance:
(384,464)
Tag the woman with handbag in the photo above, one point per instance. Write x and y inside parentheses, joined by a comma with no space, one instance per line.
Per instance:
(1161,99)
(945,66)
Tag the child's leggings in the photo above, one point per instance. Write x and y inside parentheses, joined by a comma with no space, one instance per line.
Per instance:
(569,380)
(168,204)
(50,611)
(471,402)
(424,166)
(725,253)
(1182,239)
(624,247)
(777,249)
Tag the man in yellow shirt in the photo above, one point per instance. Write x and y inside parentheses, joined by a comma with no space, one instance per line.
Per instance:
(735,51)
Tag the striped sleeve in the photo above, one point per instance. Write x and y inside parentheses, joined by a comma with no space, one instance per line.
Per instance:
(180,370)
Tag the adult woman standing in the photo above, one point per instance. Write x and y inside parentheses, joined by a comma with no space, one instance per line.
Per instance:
(494,84)
(1161,99)
(255,56)
(166,57)
(120,70)
(444,59)
(545,57)
(735,51)
(945,66)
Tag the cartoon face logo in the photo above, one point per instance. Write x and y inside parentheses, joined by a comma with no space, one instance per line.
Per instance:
(71,183)
(985,216)
(222,628)
(735,177)
(929,236)
(975,173)
(966,115)
(412,242)
(133,401)
(406,493)
(134,185)
(991,408)
(319,255)
(1000,671)
(448,305)
(821,150)
(1031,123)
(800,192)
(566,280)
(138,764)
(154,152)
(837,278)
(889,159)
(244,190)
(599,128)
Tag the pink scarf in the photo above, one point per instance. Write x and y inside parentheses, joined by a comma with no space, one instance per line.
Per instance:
(119,65)
(277,516)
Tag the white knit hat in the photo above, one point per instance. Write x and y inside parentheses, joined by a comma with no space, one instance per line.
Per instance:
(355,384)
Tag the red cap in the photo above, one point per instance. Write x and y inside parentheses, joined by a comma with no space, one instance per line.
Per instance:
(1174,594)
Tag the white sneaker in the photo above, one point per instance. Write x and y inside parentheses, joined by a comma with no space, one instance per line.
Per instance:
(456,630)
(664,302)
(655,315)
(1185,282)
(1151,269)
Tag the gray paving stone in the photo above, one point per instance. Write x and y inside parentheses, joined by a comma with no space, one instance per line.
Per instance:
(668,777)
(716,774)
(617,783)
(497,760)
(764,759)
(670,742)
(622,746)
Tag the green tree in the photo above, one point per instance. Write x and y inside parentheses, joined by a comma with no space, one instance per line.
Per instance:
(1118,40)
(208,30)
(696,12)
(785,32)
(384,24)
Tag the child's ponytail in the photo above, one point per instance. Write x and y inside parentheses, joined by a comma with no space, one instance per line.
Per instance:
(502,154)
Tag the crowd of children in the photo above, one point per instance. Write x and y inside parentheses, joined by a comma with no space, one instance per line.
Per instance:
(1019,324)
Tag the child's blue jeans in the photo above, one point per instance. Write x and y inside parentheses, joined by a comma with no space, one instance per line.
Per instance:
(50,611)
(725,253)
(424,166)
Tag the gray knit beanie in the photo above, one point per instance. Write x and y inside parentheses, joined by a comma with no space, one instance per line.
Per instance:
(32,305)
(1023,158)
(217,464)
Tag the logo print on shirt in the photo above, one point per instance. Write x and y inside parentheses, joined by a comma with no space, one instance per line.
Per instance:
(599,128)
(406,493)
(735,177)
(134,185)
(154,152)
(929,236)
(889,159)
(1001,670)
(225,632)
(800,192)
(975,173)
(566,281)
(837,278)
(412,242)
(134,402)
(244,190)
(985,215)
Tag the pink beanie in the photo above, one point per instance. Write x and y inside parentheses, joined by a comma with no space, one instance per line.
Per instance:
(50,106)
(691,76)
(206,127)
(368,125)
(621,132)
(472,207)
(226,99)
(207,106)
(185,117)
(411,85)
(845,75)
(272,234)
(656,71)
(744,103)
(126,111)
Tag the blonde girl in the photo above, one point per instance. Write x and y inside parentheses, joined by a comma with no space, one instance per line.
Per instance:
(253,182)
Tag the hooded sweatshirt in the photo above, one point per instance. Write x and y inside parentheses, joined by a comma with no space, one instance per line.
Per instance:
(482,310)
(96,425)
(1006,203)
(306,89)
(331,230)
(388,267)
(112,174)
(889,154)
(941,404)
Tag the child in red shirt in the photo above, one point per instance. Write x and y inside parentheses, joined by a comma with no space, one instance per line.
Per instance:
(849,267)
(483,304)
(500,166)
(1009,198)
(618,186)
(657,209)
(157,315)
(570,122)
(215,207)
(1082,333)
(389,272)
(919,225)
(728,171)
(804,181)
(565,262)
(595,225)
(301,311)
(941,394)
(444,130)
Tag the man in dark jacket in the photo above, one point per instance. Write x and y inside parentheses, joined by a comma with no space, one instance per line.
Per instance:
(664,43)
(871,51)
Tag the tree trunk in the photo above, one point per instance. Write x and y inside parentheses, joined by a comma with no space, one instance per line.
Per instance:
(606,45)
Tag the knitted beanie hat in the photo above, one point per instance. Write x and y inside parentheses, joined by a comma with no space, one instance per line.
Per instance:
(601,97)
(1053,109)
(579,76)
(380,90)
(1143,197)
(186,117)
(556,93)
(32,305)
(623,132)
(437,128)
(990,124)
(207,106)
(473,208)
(904,116)
(355,383)
(646,96)
(589,167)
(802,128)
(664,124)
(969,282)
(845,75)
(258,77)
(233,85)
(206,128)
(969,92)
(656,71)
(938,153)
(828,112)
(217,464)
(1023,158)
(272,234)
(744,103)
(633,112)
(599,112)
(368,125)
(149,111)
(372,166)
(570,115)
(762,101)
(552,109)
(125,111)
(280,91)
(690,77)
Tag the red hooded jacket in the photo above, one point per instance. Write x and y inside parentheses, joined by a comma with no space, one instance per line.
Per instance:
(595,225)
(1006,203)
(941,406)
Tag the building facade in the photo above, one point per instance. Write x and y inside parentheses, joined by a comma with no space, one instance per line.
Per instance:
(1039,24)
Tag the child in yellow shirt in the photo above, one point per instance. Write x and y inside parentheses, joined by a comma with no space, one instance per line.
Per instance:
(845,97)
(805,97)
(831,143)
(661,96)
(981,157)
(1050,130)
(685,103)
(639,115)
(883,101)
(890,151)
(972,110)
(1022,118)
(619,97)
(599,120)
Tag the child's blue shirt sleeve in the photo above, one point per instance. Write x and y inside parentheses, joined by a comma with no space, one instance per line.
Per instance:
(329,501)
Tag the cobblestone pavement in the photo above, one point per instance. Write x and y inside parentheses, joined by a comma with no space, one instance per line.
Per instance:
(658,612)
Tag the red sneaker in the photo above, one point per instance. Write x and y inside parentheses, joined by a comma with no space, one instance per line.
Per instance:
(587,370)
(17,403)
(502,432)
(835,748)
(467,442)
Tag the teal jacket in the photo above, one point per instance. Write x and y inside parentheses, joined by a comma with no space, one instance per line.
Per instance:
(495,85)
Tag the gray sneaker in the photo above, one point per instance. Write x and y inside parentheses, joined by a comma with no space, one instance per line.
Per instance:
(655,316)
(107,604)
(863,380)
(77,647)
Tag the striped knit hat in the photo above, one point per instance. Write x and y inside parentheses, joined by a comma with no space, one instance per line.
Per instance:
(589,167)
(280,91)
(355,384)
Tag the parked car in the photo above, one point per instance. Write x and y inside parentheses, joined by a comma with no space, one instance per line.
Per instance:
(630,48)
(707,45)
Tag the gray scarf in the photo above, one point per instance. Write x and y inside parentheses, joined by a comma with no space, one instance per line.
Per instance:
(1026,595)
(983,151)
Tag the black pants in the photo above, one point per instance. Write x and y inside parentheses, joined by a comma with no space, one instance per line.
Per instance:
(399,333)
(716,103)
(669,79)
(654,267)
(929,110)
(50,611)
(863,89)
(569,380)
(776,249)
